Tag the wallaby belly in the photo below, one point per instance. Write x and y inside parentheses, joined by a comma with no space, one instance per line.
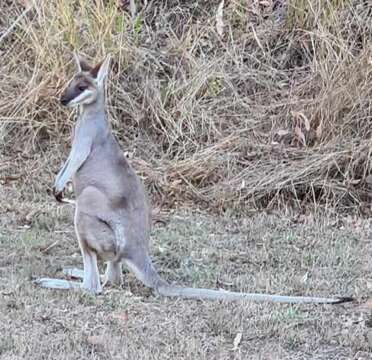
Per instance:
(108,170)
(107,187)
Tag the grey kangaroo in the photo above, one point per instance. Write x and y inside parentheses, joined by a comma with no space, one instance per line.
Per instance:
(112,217)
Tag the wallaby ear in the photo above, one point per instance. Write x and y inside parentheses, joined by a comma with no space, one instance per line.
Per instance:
(81,64)
(100,71)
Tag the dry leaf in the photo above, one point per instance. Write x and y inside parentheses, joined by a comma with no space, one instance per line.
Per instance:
(306,122)
(301,116)
(319,131)
(237,340)
(6,179)
(282,132)
(219,19)
(300,135)
(368,304)
(122,317)
(365,307)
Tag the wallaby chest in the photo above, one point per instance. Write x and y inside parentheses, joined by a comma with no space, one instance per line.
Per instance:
(107,169)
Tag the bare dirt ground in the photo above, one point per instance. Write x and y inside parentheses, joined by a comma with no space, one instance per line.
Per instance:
(277,253)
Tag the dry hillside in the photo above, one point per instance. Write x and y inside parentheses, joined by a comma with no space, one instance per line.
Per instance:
(273,107)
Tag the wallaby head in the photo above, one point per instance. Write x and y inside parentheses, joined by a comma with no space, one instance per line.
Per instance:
(87,85)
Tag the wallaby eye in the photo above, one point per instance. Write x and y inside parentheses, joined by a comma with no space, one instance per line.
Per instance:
(82,87)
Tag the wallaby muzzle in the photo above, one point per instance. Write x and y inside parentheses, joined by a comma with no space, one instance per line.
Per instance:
(69,94)
(64,100)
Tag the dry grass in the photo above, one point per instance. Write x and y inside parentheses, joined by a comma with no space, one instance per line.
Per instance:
(289,254)
(276,111)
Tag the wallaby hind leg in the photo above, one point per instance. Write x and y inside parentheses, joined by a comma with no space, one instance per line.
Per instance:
(91,280)
(95,238)
(113,275)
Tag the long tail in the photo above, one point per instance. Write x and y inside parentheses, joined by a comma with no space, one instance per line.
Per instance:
(195,293)
(146,273)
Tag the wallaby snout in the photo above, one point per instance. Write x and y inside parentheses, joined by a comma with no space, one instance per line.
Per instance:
(64,100)
(82,90)
(70,93)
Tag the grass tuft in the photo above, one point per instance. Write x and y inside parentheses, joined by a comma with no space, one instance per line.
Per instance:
(276,112)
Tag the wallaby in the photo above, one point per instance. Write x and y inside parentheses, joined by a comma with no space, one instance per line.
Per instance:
(112,217)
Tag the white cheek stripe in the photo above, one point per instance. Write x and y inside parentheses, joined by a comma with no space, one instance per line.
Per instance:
(82,98)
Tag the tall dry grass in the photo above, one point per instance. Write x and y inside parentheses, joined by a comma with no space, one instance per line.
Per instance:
(277,110)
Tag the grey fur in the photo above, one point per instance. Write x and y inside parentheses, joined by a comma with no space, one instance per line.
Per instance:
(112,213)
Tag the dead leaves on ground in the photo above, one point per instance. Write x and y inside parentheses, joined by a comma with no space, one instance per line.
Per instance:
(300,134)
(120,317)
(104,340)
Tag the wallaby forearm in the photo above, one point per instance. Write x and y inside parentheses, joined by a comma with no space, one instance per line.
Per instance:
(79,153)
(63,168)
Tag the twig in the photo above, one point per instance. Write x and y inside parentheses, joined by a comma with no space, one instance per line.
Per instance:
(50,247)
(15,23)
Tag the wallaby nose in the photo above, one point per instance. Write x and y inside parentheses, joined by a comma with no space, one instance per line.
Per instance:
(64,100)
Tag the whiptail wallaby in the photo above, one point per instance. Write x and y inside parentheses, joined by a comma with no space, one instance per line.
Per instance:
(112,217)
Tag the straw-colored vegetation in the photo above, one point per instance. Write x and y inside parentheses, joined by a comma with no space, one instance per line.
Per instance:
(276,110)
(247,105)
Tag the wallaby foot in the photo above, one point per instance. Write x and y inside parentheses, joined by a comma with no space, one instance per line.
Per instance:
(92,285)
(92,288)
(113,274)
(58,284)
(61,284)
(91,280)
